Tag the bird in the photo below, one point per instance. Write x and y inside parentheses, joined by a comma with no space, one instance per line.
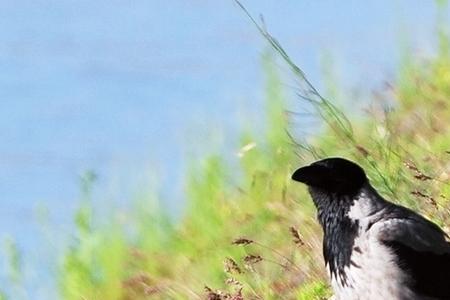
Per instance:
(374,249)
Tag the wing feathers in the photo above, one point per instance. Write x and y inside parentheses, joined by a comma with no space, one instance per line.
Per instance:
(422,251)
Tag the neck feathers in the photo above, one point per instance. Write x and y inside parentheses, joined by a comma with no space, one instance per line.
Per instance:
(340,217)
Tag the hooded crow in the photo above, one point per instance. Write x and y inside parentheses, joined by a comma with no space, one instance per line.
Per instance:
(374,249)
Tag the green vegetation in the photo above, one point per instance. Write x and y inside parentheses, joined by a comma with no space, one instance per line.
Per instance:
(250,232)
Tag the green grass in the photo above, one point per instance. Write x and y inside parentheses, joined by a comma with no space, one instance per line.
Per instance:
(247,231)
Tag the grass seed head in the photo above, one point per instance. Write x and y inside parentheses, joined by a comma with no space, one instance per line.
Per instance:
(242,241)
(231,266)
(252,259)
(233,281)
(211,295)
(296,236)
(430,199)
(419,175)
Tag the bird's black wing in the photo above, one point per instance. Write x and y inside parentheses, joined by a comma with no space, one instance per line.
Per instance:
(421,250)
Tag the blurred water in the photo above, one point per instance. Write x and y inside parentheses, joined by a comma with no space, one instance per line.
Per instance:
(120,87)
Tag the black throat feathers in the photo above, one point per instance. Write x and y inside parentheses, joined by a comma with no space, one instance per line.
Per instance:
(338,229)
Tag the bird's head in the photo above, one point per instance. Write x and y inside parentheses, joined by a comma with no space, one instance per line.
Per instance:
(337,176)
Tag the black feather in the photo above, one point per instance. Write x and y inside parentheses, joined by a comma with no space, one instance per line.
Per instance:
(429,272)
(421,251)
(339,231)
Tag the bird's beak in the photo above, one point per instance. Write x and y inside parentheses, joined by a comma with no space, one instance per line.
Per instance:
(313,175)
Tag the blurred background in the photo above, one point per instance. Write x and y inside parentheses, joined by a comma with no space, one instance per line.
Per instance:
(110,100)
